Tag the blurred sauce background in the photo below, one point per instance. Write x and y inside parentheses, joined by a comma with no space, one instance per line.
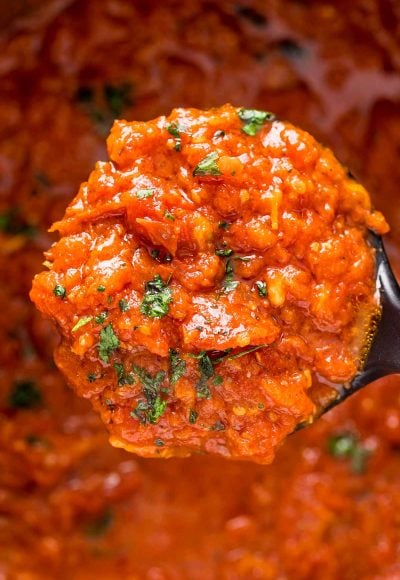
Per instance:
(71,506)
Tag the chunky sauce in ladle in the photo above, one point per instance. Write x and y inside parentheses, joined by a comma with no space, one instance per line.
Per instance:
(209,278)
(71,505)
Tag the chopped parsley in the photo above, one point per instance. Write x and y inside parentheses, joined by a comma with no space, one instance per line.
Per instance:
(169,216)
(124,378)
(123,305)
(218,380)
(208,166)
(218,426)
(59,291)
(101,288)
(104,104)
(224,252)
(224,225)
(156,299)
(229,283)
(108,343)
(25,395)
(36,441)
(193,416)
(244,352)
(91,377)
(174,130)
(206,369)
(14,224)
(118,97)
(159,443)
(151,409)
(110,405)
(81,322)
(254,120)
(100,318)
(262,288)
(144,193)
(177,366)
(347,446)
(100,525)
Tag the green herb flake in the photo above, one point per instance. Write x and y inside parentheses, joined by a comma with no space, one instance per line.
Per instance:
(91,377)
(156,299)
(218,380)
(81,322)
(100,318)
(13,223)
(206,370)
(254,120)
(117,98)
(248,351)
(208,166)
(177,366)
(100,525)
(169,216)
(224,252)
(193,416)
(124,378)
(110,405)
(262,288)
(144,193)
(103,104)
(156,411)
(174,130)
(218,426)
(159,443)
(25,394)
(347,446)
(59,291)
(101,288)
(108,343)
(153,408)
(36,441)
(123,305)
(229,283)
(224,225)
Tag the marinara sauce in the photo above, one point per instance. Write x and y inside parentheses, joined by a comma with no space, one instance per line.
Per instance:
(71,506)
(208,274)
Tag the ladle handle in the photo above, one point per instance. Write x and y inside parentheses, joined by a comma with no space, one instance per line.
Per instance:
(384,355)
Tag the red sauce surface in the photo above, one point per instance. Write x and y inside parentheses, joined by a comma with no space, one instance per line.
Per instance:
(208,274)
(71,506)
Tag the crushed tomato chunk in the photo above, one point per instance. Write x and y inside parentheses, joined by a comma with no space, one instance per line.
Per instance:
(210,287)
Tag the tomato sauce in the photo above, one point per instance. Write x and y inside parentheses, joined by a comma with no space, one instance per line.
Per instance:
(71,506)
(208,274)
